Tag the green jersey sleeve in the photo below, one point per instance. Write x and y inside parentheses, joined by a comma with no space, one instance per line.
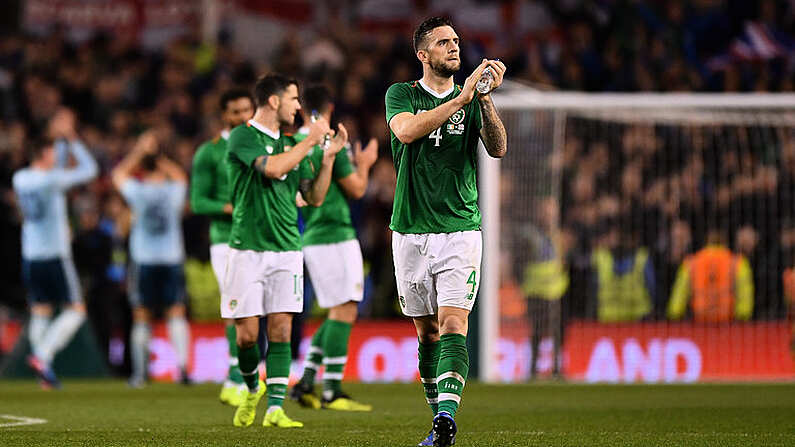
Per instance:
(201,187)
(243,145)
(342,165)
(398,100)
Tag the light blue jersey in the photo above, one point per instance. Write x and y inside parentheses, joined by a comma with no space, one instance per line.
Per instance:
(45,229)
(156,235)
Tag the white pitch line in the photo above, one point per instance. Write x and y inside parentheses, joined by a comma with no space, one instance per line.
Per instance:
(20,421)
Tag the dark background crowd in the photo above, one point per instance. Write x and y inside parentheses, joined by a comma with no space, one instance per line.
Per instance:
(118,86)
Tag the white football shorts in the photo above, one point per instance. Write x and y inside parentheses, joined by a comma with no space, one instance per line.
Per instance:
(258,283)
(436,269)
(218,253)
(336,271)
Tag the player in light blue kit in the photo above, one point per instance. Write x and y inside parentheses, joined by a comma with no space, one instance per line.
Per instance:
(47,268)
(156,198)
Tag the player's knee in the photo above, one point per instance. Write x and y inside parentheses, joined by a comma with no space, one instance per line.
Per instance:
(431,337)
(346,312)
(78,307)
(454,325)
(245,338)
(176,311)
(280,333)
(140,315)
(42,310)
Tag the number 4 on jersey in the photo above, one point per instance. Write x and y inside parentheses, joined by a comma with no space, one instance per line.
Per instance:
(436,135)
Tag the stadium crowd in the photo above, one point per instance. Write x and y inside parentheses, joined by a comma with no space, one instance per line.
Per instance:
(118,89)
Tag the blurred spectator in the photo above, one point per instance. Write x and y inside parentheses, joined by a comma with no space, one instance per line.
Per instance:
(545,281)
(624,280)
(717,283)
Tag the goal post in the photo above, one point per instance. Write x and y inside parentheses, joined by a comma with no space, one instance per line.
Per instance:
(597,179)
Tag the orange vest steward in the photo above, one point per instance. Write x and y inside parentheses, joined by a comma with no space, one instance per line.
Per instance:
(712,274)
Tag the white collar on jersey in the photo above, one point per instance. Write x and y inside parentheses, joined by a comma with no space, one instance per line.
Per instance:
(438,95)
(263,129)
(225,134)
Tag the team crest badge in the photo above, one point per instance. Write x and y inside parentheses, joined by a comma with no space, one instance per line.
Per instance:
(269,149)
(458,117)
(232,304)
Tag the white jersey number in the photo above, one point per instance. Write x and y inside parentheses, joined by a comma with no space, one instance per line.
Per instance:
(436,135)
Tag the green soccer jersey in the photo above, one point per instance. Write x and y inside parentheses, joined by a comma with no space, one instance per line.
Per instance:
(209,189)
(265,216)
(331,222)
(436,188)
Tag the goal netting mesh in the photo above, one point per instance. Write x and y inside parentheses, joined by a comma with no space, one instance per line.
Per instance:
(640,238)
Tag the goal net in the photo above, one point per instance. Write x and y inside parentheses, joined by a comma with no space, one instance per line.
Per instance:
(639,238)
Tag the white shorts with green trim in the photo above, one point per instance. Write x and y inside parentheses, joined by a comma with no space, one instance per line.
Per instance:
(336,271)
(436,269)
(258,283)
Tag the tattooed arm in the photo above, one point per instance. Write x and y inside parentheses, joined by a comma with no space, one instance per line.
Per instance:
(493,132)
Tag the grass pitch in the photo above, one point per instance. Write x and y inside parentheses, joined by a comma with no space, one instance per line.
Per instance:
(108,413)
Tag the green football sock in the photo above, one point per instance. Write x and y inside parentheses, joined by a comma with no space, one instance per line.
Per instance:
(428,363)
(452,372)
(335,355)
(233,375)
(315,356)
(278,371)
(248,359)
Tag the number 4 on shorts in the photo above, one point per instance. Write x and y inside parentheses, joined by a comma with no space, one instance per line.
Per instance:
(473,282)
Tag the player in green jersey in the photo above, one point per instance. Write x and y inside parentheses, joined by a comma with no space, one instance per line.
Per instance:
(329,234)
(436,242)
(264,267)
(209,195)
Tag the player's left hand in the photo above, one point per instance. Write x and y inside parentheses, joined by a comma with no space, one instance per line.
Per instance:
(498,70)
(366,157)
(147,143)
(337,143)
(62,124)
(299,200)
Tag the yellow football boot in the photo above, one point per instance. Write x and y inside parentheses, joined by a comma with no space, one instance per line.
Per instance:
(278,418)
(247,410)
(343,402)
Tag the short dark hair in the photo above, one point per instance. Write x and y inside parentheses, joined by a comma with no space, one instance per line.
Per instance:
(232,95)
(316,97)
(149,162)
(38,145)
(269,85)
(425,28)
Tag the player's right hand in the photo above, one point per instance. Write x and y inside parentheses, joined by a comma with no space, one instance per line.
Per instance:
(366,156)
(468,91)
(318,130)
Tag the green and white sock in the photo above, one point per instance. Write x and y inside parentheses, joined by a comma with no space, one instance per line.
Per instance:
(428,354)
(315,356)
(335,355)
(248,359)
(278,373)
(233,376)
(452,372)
